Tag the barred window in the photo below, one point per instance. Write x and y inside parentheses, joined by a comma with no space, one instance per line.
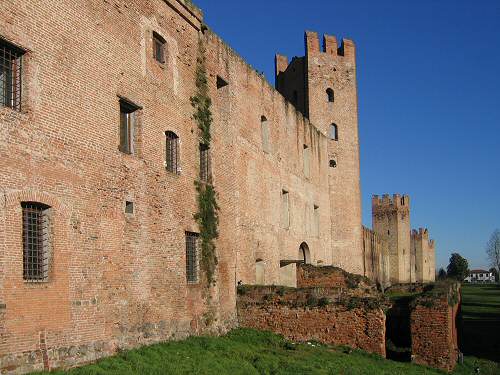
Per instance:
(205,163)
(10,75)
(159,48)
(127,126)
(172,152)
(36,241)
(192,257)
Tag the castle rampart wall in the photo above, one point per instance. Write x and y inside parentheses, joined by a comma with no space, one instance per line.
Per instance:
(117,279)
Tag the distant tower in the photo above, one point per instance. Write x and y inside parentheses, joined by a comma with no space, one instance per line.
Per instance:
(322,85)
(425,256)
(391,221)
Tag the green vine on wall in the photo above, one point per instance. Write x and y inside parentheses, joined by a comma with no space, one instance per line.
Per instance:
(207,215)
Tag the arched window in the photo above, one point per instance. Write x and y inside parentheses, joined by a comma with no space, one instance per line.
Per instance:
(330,95)
(264,126)
(172,152)
(333,163)
(334,132)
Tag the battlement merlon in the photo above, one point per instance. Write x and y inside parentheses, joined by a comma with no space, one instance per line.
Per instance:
(347,49)
(397,201)
(422,234)
(281,63)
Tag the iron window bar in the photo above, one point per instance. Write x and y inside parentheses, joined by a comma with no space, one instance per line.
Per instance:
(10,75)
(36,236)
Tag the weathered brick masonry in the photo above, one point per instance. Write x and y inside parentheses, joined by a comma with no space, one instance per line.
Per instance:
(117,279)
(299,315)
(434,329)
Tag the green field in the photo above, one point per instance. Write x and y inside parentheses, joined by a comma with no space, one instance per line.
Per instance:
(481,321)
(245,351)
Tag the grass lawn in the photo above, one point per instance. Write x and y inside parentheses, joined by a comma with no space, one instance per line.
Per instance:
(481,321)
(245,351)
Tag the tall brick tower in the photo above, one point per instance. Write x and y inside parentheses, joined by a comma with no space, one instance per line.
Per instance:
(391,221)
(322,85)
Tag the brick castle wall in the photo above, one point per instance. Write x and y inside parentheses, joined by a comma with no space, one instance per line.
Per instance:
(292,316)
(118,280)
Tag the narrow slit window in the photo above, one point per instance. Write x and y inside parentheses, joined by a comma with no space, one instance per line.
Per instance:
(192,257)
(10,75)
(330,95)
(172,152)
(159,45)
(36,241)
(128,112)
(307,158)
(334,132)
(316,221)
(205,163)
(285,209)
(264,125)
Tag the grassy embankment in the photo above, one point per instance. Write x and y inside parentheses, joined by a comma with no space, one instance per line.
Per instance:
(481,321)
(245,351)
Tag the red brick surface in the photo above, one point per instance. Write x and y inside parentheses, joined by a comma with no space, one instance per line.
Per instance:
(334,324)
(434,334)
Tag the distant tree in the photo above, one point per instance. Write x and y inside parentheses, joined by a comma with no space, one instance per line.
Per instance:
(441,274)
(493,249)
(494,271)
(458,267)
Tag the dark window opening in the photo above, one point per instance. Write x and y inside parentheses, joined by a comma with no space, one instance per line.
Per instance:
(333,164)
(127,122)
(295,98)
(205,163)
(129,207)
(172,152)
(334,132)
(330,95)
(36,241)
(10,75)
(159,48)
(192,257)
(221,82)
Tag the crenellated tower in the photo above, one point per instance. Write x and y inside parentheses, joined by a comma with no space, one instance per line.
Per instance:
(391,221)
(322,85)
(424,250)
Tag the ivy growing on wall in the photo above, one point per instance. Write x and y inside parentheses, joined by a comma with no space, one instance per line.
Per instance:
(207,215)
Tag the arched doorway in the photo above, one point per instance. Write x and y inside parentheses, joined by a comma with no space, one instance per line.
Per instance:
(304,253)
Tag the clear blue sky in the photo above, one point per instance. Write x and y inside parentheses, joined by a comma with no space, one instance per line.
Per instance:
(429,99)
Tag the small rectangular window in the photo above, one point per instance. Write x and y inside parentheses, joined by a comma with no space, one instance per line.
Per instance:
(192,257)
(10,75)
(285,210)
(36,241)
(159,48)
(127,124)
(204,163)
(129,207)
